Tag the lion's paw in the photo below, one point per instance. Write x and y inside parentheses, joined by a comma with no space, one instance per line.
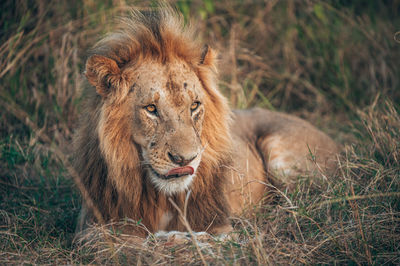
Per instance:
(176,237)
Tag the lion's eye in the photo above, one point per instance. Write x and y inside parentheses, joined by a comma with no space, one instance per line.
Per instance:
(194,106)
(151,108)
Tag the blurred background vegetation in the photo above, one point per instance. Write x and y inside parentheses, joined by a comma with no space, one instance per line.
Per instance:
(335,63)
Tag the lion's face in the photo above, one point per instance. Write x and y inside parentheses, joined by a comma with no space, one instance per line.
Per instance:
(167,116)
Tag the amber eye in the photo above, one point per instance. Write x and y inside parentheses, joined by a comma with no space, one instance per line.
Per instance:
(151,108)
(194,106)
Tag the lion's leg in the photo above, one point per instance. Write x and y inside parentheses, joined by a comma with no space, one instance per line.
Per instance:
(282,160)
(274,146)
(301,151)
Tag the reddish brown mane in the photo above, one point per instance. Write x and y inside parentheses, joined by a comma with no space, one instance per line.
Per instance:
(157,35)
(107,159)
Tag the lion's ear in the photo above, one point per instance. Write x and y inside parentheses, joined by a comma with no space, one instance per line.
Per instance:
(100,72)
(208,57)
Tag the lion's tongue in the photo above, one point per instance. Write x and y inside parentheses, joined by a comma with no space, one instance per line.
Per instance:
(180,171)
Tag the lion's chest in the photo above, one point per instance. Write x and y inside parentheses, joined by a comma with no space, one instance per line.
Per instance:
(164,220)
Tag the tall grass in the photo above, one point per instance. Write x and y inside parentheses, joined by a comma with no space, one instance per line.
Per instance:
(332,62)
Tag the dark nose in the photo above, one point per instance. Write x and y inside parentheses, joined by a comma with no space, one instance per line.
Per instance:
(180,160)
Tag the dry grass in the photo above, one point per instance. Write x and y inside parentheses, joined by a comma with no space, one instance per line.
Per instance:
(333,62)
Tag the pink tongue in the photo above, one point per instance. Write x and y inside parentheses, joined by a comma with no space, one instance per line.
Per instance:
(186,170)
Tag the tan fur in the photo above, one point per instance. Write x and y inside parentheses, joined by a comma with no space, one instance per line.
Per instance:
(123,150)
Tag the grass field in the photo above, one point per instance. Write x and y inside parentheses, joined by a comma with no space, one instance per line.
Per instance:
(334,63)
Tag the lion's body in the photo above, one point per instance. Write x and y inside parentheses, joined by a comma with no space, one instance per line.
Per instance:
(154,126)
(273,145)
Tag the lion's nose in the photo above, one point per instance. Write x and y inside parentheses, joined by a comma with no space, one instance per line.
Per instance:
(179,159)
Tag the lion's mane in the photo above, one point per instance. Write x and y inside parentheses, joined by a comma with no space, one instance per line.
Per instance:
(109,162)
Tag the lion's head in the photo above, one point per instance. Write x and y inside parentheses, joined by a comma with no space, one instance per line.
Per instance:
(164,111)
(159,121)
(168,119)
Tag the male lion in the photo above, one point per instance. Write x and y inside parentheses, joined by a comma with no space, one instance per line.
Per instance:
(155,126)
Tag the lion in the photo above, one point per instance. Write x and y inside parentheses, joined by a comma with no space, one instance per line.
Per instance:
(154,126)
